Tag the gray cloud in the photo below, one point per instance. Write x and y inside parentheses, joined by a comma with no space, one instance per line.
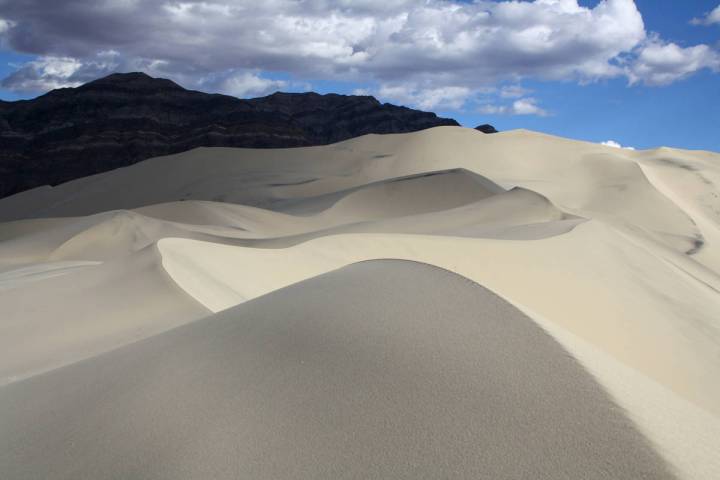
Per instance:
(436,52)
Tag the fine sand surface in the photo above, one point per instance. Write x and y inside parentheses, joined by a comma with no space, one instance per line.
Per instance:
(150,315)
(65,316)
(379,370)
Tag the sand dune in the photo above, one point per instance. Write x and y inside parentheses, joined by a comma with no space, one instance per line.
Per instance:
(400,371)
(427,192)
(89,308)
(613,253)
(588,180)
(534,274)
(516,214)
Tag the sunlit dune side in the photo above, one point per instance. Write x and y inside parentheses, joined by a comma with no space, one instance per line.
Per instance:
(611,255)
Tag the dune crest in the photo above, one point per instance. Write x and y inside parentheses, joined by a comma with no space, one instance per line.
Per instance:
(613,253)
(357,385)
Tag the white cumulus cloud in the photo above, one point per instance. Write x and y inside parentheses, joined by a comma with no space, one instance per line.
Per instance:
(711,18)
(430,53)
(4,25)
(513,91)
(660,63)
(452,97)
(249,84)
(47,73)
(522,106)
(614,144)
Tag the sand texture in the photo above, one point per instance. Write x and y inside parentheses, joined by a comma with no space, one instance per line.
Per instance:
(441,304)
(382,369)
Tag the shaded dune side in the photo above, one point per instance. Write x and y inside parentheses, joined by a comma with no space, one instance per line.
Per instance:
(457,203)
(587,180)
(113,234)
(100,237)
(383,369)
(396,196)
(55,319)
(517,214)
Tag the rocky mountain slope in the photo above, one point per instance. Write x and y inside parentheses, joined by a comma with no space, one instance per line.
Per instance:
(122,119)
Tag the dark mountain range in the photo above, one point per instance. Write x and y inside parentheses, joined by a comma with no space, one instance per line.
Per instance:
(122,119)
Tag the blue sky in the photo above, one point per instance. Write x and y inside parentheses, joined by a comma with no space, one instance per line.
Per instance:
(643,73)
(684,114)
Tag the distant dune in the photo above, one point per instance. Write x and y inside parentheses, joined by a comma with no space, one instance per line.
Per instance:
(437,304)
(123,118)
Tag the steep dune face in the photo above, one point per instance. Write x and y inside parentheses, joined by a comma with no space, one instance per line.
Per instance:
(558,277)
(614,253)
(448,379)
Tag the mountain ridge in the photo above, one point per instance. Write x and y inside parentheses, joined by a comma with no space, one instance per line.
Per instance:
(125,118)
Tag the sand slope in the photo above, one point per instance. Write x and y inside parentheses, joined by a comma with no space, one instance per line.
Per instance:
(54,319)
(380,370)
(613,253)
